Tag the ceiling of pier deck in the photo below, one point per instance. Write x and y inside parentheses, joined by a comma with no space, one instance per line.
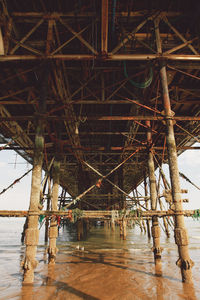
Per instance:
(96,66)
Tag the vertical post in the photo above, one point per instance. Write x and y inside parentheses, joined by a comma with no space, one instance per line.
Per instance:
(2,52)
(144,226)
(120,228)
(53,230)
(79,229)
(121,185)
(124,228)
(153,196)
(180,232)
(32,232)
(87,225)
(104,27)
(146,204)
(48,208)
(113,220)
(24,230)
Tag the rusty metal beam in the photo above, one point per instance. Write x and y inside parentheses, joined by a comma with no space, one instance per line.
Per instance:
(78,36)
(109,57)
(180,35)
(102,118)
(56,15)
(26,36)
(92,101)
(94,214)
(92,148)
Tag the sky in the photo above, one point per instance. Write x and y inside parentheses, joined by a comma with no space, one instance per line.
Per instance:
(13,166)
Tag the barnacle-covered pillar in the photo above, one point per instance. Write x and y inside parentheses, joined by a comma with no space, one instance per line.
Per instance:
(32,232)
(180,232)
(53,230)
(153,196)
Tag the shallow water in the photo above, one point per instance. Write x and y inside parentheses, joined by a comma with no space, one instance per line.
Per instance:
(108,268)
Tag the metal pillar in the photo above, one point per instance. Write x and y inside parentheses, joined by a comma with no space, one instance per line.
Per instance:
(32,232)
(180,232)
(53,231)
(157,250)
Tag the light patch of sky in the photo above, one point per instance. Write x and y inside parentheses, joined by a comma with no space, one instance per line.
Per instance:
(189,165)
(17,198)
(12,167)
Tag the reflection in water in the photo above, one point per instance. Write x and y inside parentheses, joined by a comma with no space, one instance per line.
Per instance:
(27,292)
(158,269)
(108,267)
(189,291)
(159,289)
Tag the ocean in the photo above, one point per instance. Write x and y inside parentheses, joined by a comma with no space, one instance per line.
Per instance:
(102,266)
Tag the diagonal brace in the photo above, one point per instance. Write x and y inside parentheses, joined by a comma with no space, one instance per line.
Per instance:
(78,198)
(26,36)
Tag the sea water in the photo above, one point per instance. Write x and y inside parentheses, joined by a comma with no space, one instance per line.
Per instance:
(102,266)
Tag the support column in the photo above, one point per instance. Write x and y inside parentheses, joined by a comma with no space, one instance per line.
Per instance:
(113,221)
(32,232)
(47,208)
(53,231)
(146,204)
(180,232)
(153,196)
(79,229)
(121,185)
(120,229)
(124,228)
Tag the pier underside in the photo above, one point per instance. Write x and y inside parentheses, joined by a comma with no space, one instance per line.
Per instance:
(93,93)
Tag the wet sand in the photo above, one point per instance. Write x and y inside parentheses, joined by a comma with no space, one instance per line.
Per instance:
(108,268)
